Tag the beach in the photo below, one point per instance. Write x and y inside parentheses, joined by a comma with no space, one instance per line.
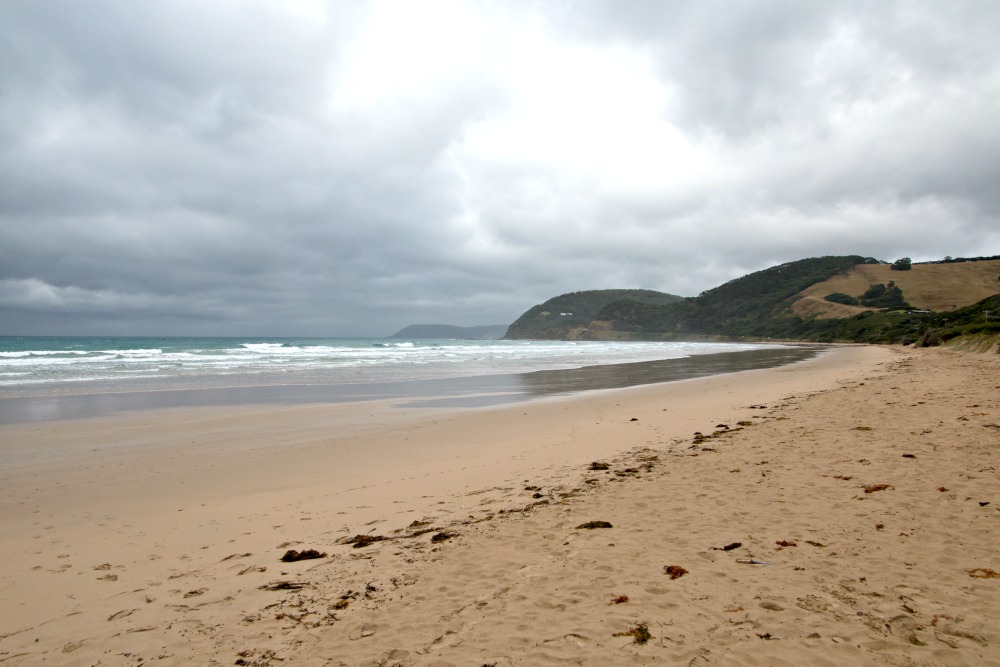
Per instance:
(838,511)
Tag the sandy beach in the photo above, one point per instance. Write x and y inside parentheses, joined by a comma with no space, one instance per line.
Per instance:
(839,511)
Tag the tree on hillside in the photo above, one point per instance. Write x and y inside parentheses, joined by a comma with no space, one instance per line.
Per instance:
(840,297)
(902,264)
(883,296)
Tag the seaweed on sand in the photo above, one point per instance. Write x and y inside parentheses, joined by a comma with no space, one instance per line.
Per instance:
(675,571)
(284,586)
(590,525)
(872,488)
(983,573)
(364,540)
(639,633)
(306,554)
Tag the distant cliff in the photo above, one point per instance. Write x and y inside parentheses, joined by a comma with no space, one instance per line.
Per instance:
(484,332)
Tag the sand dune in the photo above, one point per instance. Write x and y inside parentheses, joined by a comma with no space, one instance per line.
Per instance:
(837,512)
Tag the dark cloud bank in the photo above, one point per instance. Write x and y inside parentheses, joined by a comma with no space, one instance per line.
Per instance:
(314,168)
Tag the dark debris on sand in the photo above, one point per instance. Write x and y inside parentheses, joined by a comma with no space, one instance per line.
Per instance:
(639,633)
(359,541)
(284,586)
(306,554)
(675,571)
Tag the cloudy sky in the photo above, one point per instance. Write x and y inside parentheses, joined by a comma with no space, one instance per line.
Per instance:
(301,167)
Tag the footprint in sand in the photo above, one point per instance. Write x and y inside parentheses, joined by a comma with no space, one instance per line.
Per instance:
(121,614)
(702,659)
(71,646)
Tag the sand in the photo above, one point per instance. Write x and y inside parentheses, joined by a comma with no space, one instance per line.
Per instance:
(861,488)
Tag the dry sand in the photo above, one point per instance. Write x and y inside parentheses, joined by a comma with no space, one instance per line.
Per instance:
(156,538)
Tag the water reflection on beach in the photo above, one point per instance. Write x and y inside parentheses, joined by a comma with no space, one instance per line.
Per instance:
(541,384)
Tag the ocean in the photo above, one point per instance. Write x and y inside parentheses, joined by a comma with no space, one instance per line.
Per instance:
(151,372)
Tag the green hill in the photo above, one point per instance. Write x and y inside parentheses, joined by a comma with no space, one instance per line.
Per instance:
(786,301)
(924,328)
(569,316)
(746,306)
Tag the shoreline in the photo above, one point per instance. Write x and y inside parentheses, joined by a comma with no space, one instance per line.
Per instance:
(460,391)
(191,510)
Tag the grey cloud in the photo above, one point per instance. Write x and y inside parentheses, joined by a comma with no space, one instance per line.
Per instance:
(235,167)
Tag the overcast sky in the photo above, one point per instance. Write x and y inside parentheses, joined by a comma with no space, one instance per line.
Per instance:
(298,167)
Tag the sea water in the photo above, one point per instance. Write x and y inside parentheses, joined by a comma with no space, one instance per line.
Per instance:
(50,364)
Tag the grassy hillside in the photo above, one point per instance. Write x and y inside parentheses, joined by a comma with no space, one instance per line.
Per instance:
(569,316)
(937,287)
(979,319)
(905,327)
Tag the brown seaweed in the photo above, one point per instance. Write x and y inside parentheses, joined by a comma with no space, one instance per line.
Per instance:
(364,540)
(284,586)
(983,573)
(639,633)
(306,554)
(872,488)
(675,571)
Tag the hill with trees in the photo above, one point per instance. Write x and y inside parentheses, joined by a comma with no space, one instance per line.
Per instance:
(569,316)
(833,298)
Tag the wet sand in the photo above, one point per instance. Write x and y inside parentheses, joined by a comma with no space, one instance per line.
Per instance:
(156,537)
